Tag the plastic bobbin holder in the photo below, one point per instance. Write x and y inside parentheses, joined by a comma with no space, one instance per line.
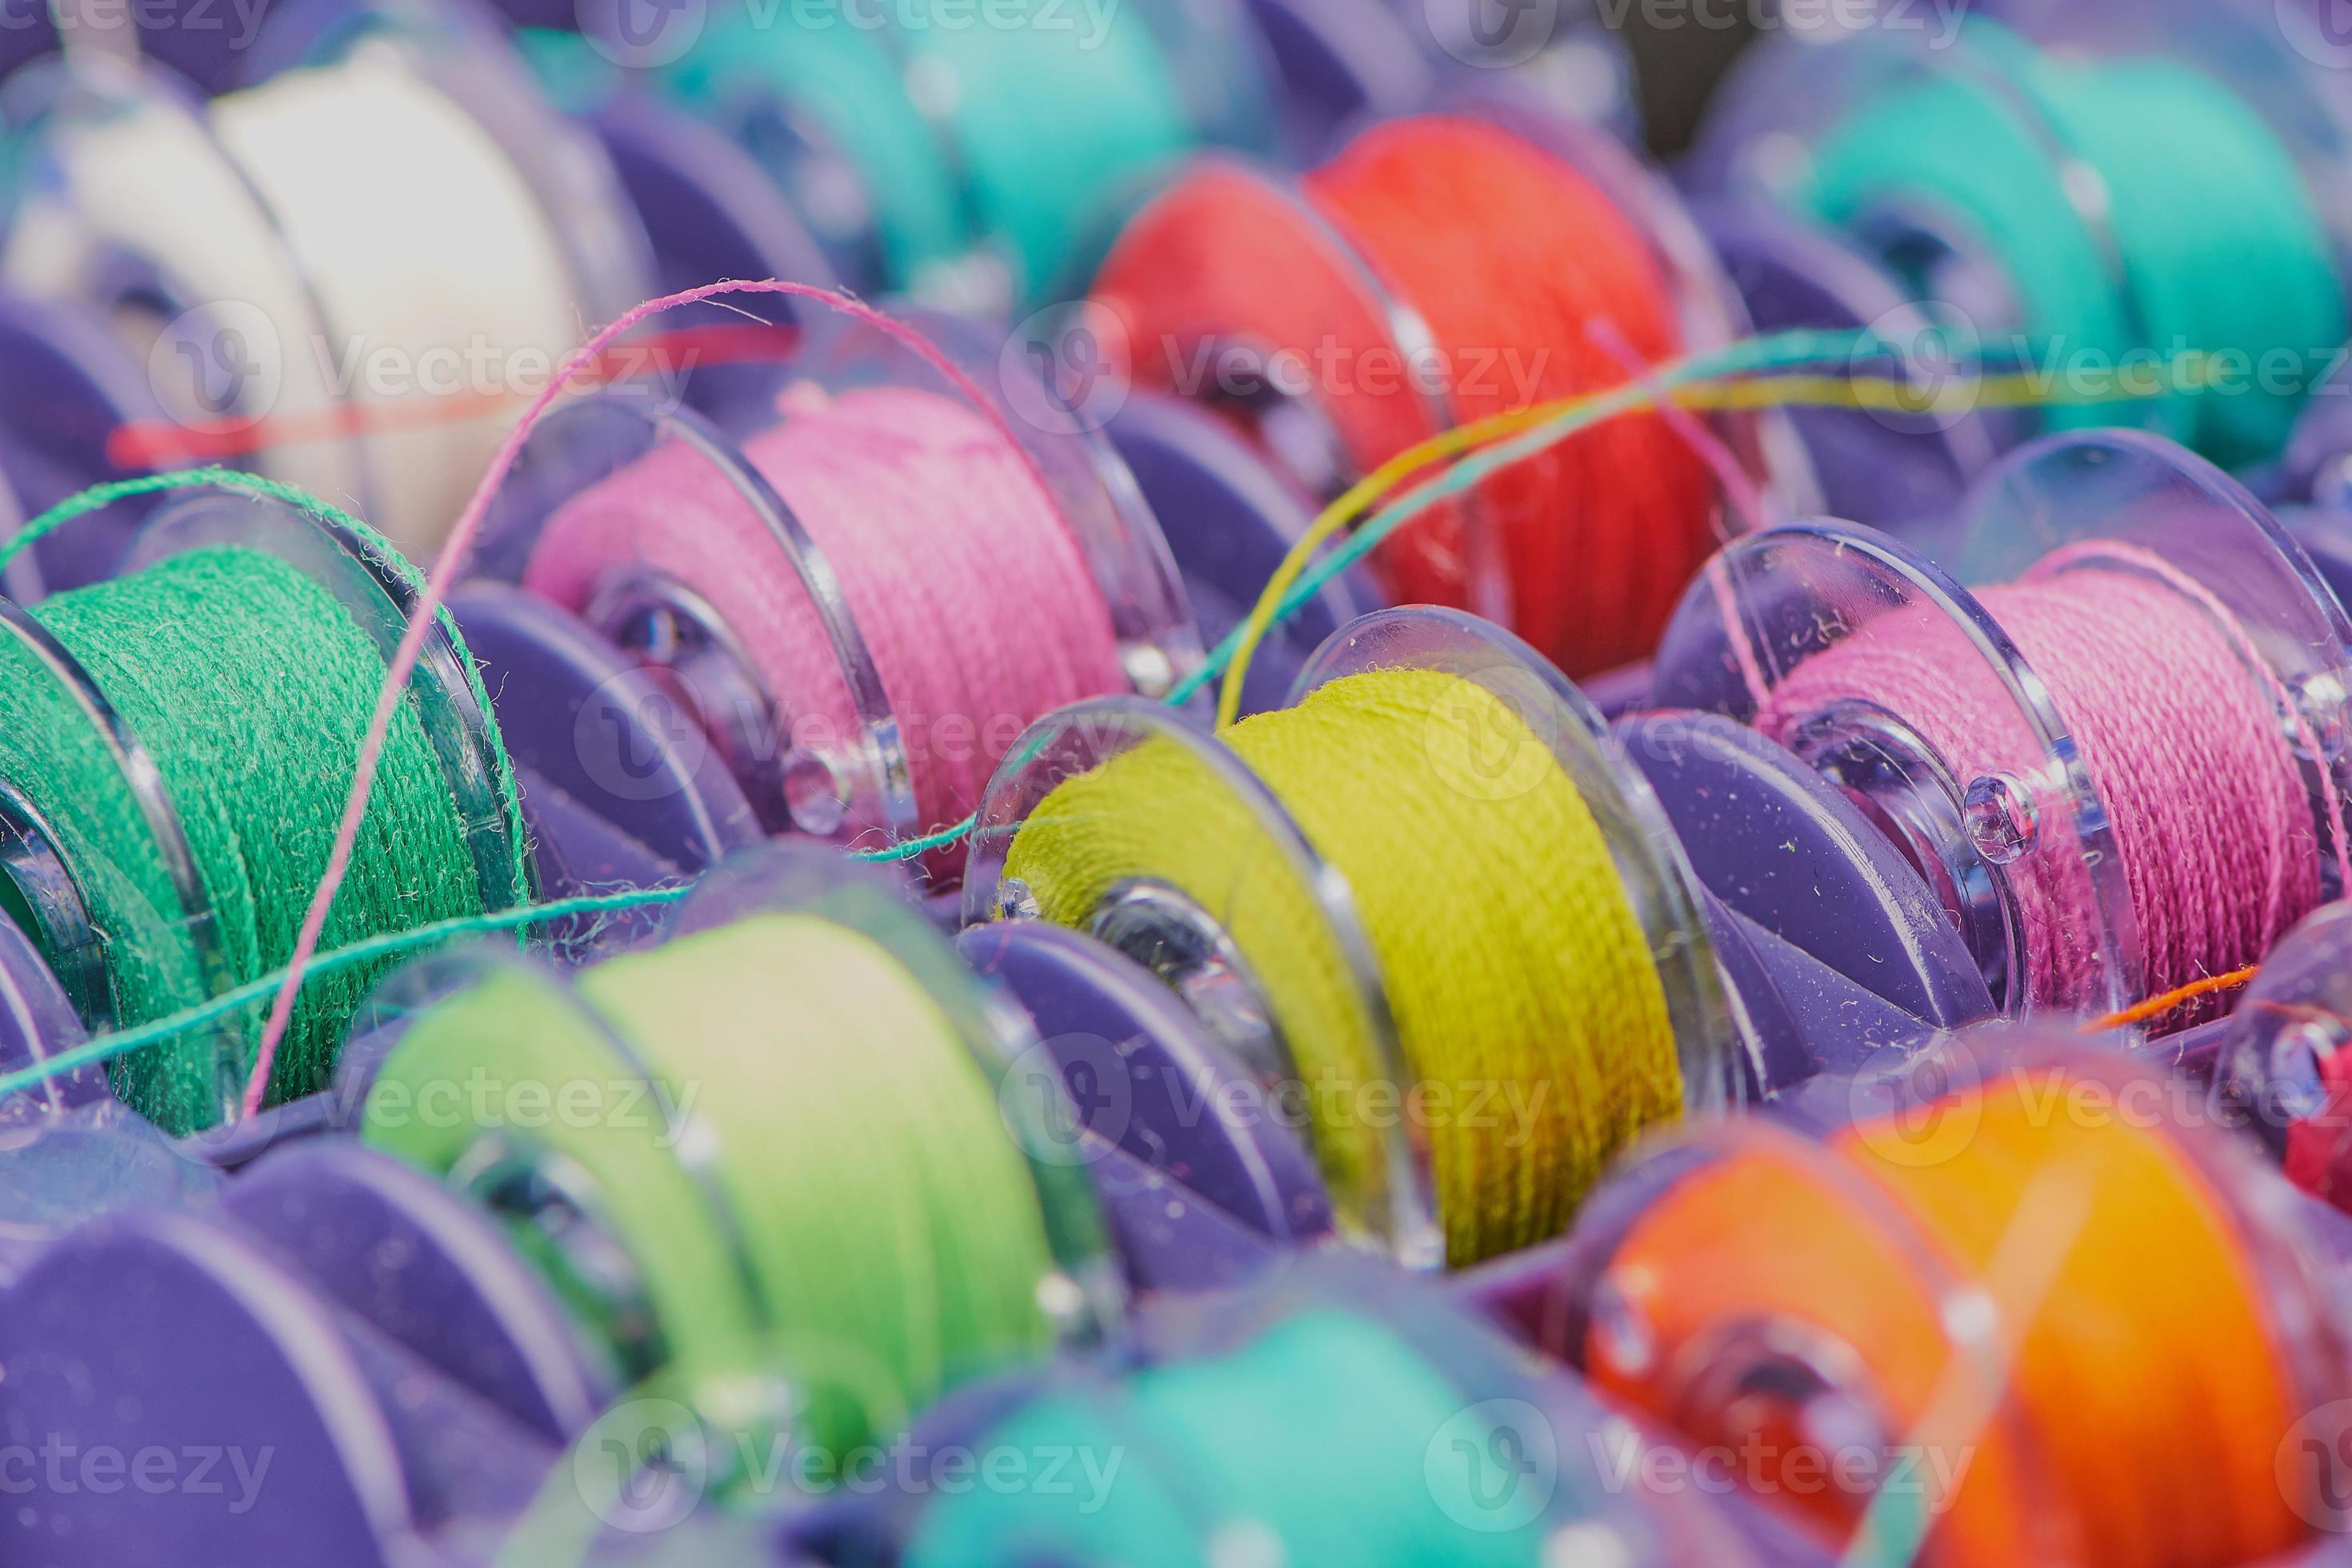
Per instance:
(839,788)
(1203,1180)
(48,886)
(1544,1419)
(554,1204)
(1267,385)
(1884,468)
(1748,1377)
(2279,1063)
(1768,117)
(1343,65)
(224,364)
(1230,518)
(72,388)
(1383,1192)
(411,1378)
(1771,602)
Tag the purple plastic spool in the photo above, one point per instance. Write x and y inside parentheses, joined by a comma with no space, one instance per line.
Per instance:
(1230,519)
(1199,1178)
(619,785)
(429,1270)
(1883,469)
(1343,64)
(1804,884)
(71,385)
(203,1338)
(710,214)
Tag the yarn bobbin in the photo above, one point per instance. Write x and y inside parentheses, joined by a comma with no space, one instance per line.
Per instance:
(250,319)
(52,892)
(1811,1360)
(2106,260)
(1381,1178)
(1330,346)
(735,1356)
(2035,832)
(1324,1327)
(799,772)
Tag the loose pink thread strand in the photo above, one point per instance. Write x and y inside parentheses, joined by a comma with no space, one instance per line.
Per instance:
(459,546)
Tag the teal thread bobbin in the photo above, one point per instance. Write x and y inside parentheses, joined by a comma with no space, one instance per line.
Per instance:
(974,159)
(2110,205)
(175,745)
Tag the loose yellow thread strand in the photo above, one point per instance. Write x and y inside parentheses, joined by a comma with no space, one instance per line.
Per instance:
(1735,391)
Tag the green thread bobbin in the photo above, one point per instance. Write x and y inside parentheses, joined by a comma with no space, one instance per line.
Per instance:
(787,1186)
(176,746)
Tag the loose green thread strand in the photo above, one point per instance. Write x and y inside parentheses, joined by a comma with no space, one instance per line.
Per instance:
(106,1047)
(1754,358)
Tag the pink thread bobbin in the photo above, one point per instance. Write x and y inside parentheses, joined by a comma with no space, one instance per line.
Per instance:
(2117,754)
(849,579)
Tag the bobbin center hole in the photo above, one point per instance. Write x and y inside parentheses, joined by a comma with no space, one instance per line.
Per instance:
(1790,1385)
(40,893)
(678,638)
(1163,929)
(552,1208)
(1961,839)
(1271,393)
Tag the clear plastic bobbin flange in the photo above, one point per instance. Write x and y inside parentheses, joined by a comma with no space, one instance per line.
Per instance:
(1208,338)
(264,338)
(2041,833)
(56,875)
(1770,1366)
(635,1245)
(1769,124)
(1329,995)
(802,772)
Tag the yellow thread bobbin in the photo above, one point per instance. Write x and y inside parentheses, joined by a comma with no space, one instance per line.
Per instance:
(1419,900)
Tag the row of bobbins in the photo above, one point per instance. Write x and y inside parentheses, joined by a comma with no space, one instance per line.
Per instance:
(1957,863)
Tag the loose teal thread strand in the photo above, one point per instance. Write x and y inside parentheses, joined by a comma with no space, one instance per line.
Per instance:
(99,497)
(1786,350)
(106,1047)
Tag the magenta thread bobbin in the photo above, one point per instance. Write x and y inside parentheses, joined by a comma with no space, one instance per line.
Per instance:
(817,694)
(2084,858)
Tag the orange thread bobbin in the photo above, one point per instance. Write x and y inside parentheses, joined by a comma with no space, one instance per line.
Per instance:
(1789,1300)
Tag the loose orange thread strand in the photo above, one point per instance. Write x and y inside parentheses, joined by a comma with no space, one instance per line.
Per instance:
(2158,1006)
